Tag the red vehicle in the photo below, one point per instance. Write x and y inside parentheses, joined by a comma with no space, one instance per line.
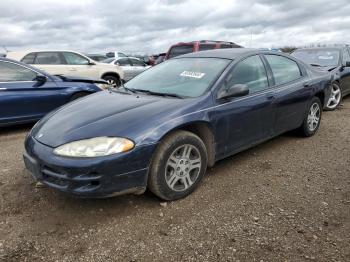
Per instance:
(196,46)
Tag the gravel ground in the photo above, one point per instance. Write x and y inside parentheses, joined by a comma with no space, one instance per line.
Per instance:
(285,200)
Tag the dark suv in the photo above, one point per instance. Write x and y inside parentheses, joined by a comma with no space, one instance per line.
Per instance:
(335,60)
(196,46)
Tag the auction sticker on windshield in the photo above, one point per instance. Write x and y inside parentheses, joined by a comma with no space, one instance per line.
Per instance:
(192,74)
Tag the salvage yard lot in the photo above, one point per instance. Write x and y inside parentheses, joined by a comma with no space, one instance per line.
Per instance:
(287,199)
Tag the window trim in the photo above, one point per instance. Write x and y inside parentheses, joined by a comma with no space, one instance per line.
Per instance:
(23,81)
(274,85)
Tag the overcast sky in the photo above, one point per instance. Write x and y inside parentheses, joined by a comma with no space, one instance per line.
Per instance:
(153,25)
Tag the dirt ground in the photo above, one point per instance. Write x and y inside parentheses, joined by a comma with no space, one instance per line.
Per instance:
(285,200)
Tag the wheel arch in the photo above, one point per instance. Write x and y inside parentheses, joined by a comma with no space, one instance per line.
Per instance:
(204,131)
(110,74)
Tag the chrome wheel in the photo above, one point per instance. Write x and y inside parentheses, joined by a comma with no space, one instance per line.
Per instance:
(335,97)
(183,167)
(313,117)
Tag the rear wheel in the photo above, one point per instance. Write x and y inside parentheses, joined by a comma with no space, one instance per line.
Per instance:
(178,166)
(335,97)
(113,81)
(312,119)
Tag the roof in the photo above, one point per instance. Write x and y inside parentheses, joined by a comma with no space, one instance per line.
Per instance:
(227,53)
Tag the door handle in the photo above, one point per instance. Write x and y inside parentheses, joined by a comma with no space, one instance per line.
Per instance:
(72,69)
(306,84)
(270,96)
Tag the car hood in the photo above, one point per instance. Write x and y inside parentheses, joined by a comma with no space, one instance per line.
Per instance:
(108,114)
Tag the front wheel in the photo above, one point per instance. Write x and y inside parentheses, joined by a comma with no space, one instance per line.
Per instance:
(178,166)
(335,98)
(312,119)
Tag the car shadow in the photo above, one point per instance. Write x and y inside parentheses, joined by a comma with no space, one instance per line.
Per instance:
(8,130)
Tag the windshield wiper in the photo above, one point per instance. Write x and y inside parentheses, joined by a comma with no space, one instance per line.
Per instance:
(156,93)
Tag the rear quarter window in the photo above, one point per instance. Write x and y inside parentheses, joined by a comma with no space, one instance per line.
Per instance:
(180,50)
(284,69)
(203,47)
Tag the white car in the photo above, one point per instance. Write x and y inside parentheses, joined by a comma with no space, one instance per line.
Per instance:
(131,66)
(64,62)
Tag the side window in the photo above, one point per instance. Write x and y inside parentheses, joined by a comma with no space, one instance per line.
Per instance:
(346,56)
(203,47)
(123,62)
(284,69)
(48,58)
(75,59)
(10,72)
(136,62)
(250,72)
(28,59)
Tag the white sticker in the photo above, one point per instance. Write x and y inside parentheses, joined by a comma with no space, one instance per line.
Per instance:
(192,74)
(326,57)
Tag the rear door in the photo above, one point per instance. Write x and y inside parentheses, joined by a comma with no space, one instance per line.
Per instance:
(291,96)
(138,66)
(22,98)
(80,66)
(51,62)
(127,67)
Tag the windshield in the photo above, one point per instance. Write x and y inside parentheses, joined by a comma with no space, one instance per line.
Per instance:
(180,50)
(186,77)
(318,57)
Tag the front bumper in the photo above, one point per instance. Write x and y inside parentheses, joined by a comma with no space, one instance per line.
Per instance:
(89,177)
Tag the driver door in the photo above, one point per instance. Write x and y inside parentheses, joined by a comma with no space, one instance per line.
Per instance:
(245,121)
(78,65)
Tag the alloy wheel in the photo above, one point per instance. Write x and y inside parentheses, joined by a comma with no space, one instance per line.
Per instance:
(183,167)
(313,117)
(335,97)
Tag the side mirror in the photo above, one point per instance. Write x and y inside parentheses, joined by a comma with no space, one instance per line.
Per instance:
(91,63)
(234,91)
(40,79)
(347,64)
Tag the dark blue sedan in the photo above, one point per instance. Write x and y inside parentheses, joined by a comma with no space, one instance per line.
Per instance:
(27,94)
(164,127)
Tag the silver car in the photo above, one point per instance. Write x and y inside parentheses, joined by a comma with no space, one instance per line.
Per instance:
(131,66)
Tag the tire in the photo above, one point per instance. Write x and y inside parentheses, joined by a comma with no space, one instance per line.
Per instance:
(312,119)
(335,97)
(78,95)
(173,173)
(114,81)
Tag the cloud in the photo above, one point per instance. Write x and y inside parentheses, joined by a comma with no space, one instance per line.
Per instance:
(153,25)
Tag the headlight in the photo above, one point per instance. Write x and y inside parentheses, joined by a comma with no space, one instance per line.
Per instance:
(94,147)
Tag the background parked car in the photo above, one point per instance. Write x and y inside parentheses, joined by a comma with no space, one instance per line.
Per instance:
(116,54)
(70,63)
(160,58)
(196,46)
(335,60)
(27,94)
(97,57)
(131,66)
